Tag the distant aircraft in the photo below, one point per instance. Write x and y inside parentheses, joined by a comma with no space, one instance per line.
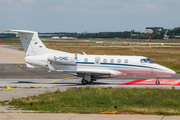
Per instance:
(89,67)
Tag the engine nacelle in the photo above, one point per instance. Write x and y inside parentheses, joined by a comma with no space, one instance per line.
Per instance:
(63,59)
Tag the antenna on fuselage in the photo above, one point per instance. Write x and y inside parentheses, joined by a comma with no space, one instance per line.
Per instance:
(84,53)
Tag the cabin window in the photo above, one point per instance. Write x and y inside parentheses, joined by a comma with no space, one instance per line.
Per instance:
(85,60)
(119,61)
(105,60)
(126,61)
(112,60)
(97,60)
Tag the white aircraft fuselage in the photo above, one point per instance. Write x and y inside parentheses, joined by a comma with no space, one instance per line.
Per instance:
(89,67)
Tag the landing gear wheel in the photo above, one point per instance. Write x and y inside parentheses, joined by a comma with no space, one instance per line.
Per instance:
(157,82)
(84,82)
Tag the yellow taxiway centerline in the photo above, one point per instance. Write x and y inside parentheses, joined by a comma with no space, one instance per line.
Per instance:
(13,58)
(59,79)
(22,61)
(8,88)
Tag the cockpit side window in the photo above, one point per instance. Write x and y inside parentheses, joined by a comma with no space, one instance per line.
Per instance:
(146,61)
(150,61)
(143,61)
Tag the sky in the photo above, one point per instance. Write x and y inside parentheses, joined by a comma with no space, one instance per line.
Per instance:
(88,15)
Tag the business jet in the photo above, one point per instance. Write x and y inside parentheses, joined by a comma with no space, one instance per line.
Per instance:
(89,67)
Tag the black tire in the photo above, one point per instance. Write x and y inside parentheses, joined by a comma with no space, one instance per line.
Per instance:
(157,82)
(84,82)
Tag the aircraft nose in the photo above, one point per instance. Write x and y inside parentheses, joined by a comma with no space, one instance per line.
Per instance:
(170,71)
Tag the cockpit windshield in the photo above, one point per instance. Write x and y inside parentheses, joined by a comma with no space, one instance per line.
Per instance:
(150,61)
(143,61)
(146,61)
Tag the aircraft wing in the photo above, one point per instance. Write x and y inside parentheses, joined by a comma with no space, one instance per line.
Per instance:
(111,73)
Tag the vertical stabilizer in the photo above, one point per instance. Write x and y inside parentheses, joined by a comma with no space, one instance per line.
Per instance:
(31,42)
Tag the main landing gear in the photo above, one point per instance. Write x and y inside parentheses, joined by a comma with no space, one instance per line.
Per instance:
(84,82)
(87,79)
(157,81)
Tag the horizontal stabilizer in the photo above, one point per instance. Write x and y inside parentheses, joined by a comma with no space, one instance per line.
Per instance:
(20,31)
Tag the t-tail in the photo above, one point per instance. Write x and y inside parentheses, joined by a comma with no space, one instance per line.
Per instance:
(37,55)
(31,43)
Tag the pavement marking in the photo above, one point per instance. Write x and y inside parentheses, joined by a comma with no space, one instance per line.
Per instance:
(13,58)
(13,55)
(172,82)
(3,55)
(14,76)
(27,76)
(49,75)
(22,61)
(8,88)
(60,79)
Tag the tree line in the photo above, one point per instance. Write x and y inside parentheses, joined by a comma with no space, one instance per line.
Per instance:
(126,34)
(173,33)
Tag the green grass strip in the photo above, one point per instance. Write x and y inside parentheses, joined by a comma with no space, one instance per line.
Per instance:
(103,100)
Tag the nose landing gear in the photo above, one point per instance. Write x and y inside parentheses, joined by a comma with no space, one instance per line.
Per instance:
(157,81)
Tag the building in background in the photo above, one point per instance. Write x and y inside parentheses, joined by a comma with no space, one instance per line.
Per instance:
(68,38)
(55,37)
(152,29)
(148,31)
